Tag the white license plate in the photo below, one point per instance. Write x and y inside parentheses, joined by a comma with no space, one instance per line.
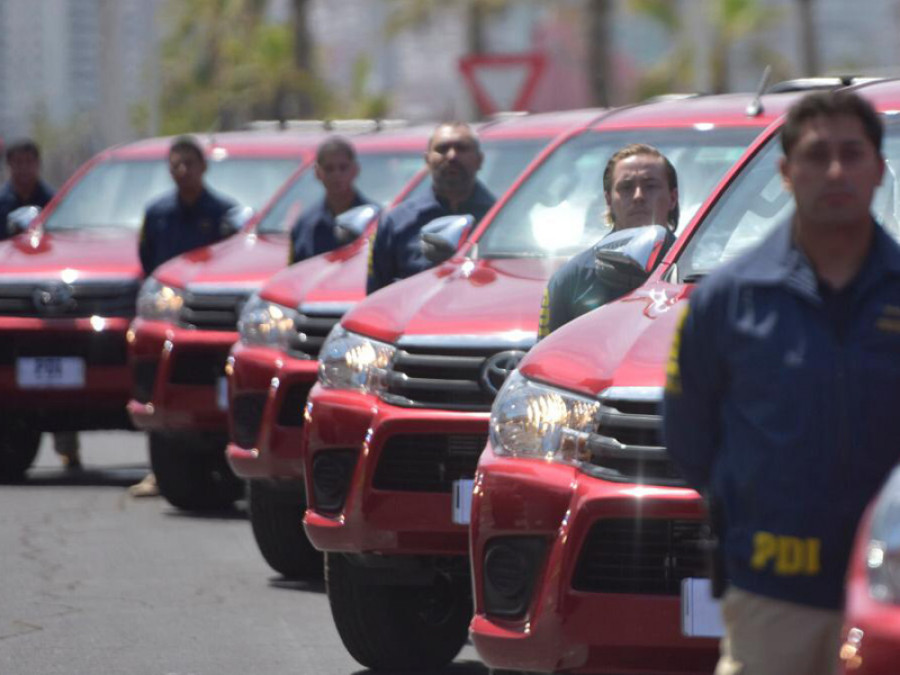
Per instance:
(222,393)
(701,615)
(50,372)
(462,501)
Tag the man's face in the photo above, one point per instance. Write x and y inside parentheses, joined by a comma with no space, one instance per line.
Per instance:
(833,171)
(337,172)
(24,168)
(640,192)
(187,170)
(454,158)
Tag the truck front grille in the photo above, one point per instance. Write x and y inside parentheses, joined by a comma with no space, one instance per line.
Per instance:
(427,462)
(310,331)
(444,379)
(627,442)
(641,555)
(97,349)
(56,299)
(211,310)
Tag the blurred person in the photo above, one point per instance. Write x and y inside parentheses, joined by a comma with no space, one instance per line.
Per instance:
(25,188)
(336,168)
(782,392)
(641,188)
(189,217)
(453,157)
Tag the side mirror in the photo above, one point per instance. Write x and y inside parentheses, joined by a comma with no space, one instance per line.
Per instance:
(235,218)
(442,236)
(628,256)
(350,225)
(18,220)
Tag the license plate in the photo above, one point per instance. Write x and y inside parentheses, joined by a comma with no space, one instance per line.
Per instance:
(50,372)
(701,615)
(462,501)
(222,393)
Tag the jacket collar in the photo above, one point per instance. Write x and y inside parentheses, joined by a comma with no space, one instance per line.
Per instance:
(778,261)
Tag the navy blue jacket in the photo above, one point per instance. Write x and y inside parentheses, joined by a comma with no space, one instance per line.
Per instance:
(171,227)
(10,201)
(396,252)
(782,404)
(313,233)
(581,285)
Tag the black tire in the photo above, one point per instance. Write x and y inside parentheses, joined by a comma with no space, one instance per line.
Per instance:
(18,448)
(276,515)
(398,627)
(195,478)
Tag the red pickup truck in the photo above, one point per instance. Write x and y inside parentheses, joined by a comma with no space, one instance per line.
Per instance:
(399,416)
(68,283)
(271,374)
(187,322)
(587,547)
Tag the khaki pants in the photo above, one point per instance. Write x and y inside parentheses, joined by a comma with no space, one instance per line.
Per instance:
(764,636)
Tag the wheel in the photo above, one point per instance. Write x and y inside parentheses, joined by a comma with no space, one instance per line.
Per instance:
(18,448)
(193,478)
(394,626)
(276,515)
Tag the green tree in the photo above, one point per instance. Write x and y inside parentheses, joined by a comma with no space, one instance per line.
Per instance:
(223,65)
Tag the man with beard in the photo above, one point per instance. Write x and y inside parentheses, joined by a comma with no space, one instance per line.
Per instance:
(454,158)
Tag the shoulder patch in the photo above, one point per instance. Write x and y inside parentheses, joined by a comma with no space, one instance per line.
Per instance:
(544,324)
(673,371)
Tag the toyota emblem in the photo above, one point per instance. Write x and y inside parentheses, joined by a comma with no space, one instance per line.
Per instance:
(497,368)
(53,298)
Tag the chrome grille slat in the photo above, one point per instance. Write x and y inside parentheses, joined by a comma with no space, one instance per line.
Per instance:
(310,331)
(211,311)
(85,298)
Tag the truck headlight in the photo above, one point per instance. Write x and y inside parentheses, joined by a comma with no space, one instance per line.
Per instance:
(267,324)
(351,361)
(883,554)
(158,302)
(529,419)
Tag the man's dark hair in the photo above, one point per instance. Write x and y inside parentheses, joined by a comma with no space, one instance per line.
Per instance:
(335,144)
(642,149)
(187,144)
(22,145)
(830,104)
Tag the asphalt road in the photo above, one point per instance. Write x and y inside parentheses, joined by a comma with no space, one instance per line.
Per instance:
(95,582)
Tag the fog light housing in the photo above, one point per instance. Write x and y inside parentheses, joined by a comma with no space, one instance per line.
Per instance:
(332,470)
(511,566)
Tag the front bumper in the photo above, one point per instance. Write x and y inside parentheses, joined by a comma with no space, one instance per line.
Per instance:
(97,403)
(574,619)
(268,395)
(395,467)
(179,377)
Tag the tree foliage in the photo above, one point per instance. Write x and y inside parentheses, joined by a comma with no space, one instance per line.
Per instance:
(223,65)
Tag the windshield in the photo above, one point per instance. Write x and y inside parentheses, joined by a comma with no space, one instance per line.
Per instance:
(503,162)
(115,193)
(756,201)
(560,210)
(381,177)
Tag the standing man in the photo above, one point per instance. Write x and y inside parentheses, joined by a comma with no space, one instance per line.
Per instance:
(454,158)
(25,187)
(189,217)
(641,188)
(336,168)
(783,390)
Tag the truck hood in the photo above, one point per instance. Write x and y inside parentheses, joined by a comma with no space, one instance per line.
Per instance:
(243,260)
(337,278)
(498,298)
(625,343)
(94,253)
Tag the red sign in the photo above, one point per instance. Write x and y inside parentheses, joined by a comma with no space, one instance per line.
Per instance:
(502,81)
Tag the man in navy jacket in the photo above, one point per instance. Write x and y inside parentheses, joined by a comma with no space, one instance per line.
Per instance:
(454,157)
(783,390)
